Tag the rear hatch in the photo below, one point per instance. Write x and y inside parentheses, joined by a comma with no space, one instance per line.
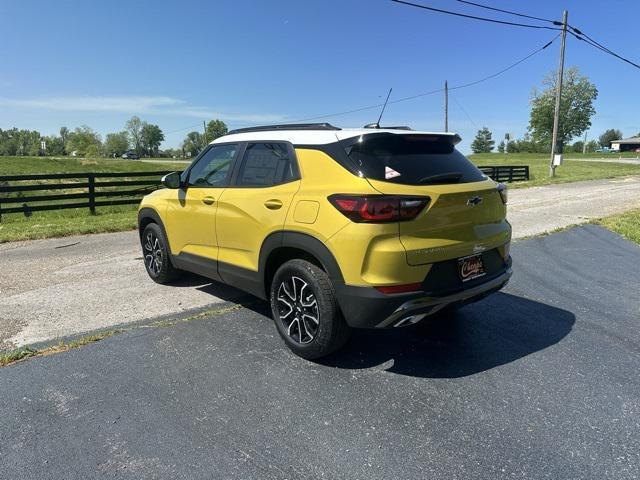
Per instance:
(465,214)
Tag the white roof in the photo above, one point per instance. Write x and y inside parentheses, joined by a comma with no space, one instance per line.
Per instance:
(318,137)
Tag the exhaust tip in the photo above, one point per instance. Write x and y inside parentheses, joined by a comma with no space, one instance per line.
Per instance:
(410,320)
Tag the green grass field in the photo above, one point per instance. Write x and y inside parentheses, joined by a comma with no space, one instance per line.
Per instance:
(119,218)
(570,171)
(626,224)
(59,223)
(30,165)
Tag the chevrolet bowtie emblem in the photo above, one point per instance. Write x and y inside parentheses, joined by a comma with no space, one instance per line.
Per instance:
(473,201)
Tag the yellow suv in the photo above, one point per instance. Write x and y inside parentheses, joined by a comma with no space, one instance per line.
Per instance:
(337,228)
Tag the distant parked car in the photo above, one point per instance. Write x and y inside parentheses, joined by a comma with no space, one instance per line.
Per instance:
(130,155)
(604,150)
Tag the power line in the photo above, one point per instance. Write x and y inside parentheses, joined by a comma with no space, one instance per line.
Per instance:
(474,17)
(508,68)
(577,33)
(431,92)
(590,41)
(510,12)
(464,111)
(183,129)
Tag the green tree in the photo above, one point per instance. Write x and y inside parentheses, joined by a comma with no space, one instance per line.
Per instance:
(151,137)
(501,146)
(193,144)
(54,145)
(64,135)
(24,142)
(216,129)
(609,136)
(9,142)
(84,141)
(482,143)
(592,145)
(134,128)
(577,146)
(116,143)
(576,108)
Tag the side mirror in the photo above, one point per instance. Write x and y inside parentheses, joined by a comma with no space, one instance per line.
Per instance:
(171,180)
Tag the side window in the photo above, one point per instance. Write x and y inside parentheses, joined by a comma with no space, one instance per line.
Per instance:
(266,164)
(212,168)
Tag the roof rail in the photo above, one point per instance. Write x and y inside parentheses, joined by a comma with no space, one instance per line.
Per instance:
(290,126)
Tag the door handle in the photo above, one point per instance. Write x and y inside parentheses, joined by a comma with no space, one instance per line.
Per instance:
(273,204)
(208,200)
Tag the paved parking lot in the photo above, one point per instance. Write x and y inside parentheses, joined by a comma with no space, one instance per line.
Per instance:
(540,381)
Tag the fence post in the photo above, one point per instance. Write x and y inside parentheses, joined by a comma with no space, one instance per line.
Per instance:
(92,192)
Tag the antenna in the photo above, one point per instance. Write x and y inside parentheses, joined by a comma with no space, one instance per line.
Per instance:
(383,107)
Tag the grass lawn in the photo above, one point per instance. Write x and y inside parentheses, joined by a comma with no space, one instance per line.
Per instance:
(570,171)
(59,223)
(30,165)
(626,224)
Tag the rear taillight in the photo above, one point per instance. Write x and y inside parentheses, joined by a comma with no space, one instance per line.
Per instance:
(378,208)
(502,190)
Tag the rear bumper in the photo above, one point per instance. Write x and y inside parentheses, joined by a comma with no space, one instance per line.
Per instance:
(366,307)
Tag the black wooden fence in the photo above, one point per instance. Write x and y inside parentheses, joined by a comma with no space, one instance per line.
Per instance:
(507,173)
(33,193)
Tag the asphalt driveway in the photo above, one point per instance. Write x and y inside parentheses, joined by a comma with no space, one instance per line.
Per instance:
(540,381)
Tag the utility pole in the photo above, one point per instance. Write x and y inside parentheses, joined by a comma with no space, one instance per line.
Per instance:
(446,106)
(556,114)
(584,143)
(204,130)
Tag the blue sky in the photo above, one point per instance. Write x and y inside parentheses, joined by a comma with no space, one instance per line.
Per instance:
(251,62)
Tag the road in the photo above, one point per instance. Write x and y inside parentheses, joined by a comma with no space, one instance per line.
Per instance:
(57,287)
(540,381)
(623,160)
(536,210)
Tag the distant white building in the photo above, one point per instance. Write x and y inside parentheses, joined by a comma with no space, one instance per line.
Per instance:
(626,145)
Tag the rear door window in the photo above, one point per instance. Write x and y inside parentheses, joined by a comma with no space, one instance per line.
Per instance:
(410,159)
(266,164)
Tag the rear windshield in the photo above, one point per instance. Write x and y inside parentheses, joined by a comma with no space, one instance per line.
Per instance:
(410,159)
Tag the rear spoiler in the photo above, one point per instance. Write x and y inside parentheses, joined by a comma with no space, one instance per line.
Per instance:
(448,137)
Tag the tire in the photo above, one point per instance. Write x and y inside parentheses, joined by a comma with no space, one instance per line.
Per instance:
(156,256)
(301,291)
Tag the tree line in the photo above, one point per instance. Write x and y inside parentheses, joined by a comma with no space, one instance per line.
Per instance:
(483,143)
(138,136)
(576,110)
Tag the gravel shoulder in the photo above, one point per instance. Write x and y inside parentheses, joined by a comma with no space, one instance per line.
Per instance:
(64,286)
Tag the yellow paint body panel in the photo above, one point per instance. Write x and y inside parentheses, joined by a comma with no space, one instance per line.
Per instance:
(246,216)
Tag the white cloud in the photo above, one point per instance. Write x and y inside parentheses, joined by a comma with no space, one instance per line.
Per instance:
(159,105)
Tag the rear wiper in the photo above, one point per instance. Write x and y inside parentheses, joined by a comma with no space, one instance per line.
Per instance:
(441,178)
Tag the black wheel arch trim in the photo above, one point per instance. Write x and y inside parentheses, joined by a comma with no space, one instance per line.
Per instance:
(154,216)
(301,241)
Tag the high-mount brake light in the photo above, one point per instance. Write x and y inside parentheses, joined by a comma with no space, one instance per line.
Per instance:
(379,208)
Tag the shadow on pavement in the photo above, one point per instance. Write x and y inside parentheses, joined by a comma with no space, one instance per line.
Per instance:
(501,329)
(481,336)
